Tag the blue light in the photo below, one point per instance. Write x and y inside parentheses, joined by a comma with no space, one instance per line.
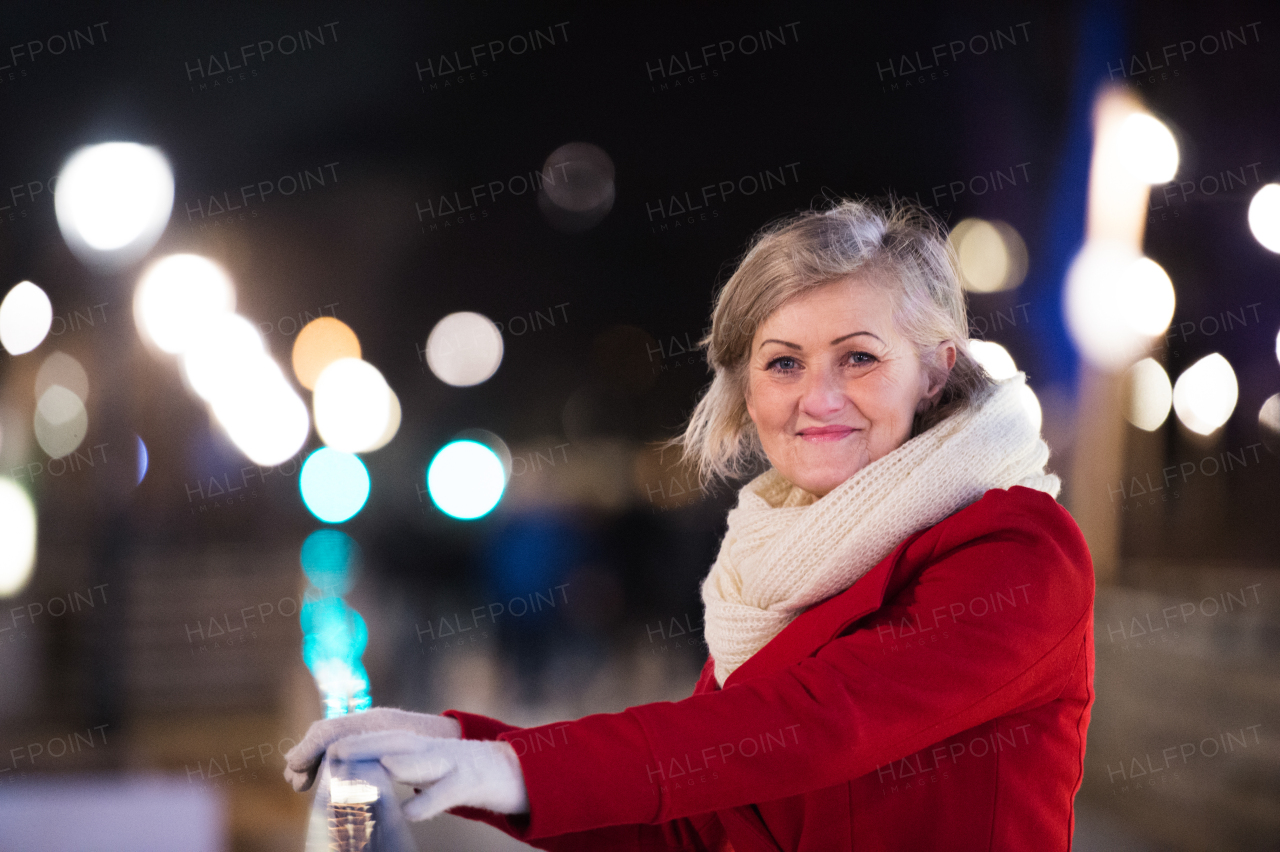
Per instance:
(142,459)
(329,560)
(466,479)
(334,485)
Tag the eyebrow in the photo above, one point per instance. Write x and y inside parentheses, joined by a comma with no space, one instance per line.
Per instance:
(835,342)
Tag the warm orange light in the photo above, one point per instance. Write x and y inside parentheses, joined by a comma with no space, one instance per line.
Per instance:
(321,342)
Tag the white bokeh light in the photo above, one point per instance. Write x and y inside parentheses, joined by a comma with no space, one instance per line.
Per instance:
(994,358)
(1149,395)
(1269,419)
(1147,148)
(220,355)
(25,316)
(1116,302)
(493,442)
(17,537)
(263,415)
(1205,394)
(353,405)
(990,256)
(466,479)
(179,295)
(1264,217)
(464,349)
(61,421)
(1146,297)
(393,422)
(59,368)
(114,199)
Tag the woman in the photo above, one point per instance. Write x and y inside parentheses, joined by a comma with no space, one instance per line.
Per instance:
(900,617)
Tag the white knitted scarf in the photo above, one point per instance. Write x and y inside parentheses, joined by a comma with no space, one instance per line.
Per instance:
(787,549)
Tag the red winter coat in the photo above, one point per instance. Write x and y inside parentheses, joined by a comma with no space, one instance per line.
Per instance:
(940,702)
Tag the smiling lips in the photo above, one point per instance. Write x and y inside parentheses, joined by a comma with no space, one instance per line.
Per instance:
(823,434)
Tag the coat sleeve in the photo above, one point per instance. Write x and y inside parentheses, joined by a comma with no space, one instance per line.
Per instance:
(1010,595)
(703,834)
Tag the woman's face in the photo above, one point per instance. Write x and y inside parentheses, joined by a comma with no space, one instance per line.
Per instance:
(832,386)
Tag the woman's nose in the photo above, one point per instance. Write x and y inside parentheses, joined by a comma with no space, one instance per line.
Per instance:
(822,393)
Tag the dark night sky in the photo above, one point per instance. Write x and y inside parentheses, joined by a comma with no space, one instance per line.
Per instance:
(817,108)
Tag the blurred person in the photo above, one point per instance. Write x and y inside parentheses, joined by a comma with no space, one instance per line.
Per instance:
(899,619)
(527,560)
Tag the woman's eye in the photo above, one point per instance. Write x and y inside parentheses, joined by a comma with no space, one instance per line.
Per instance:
(784,364)
(861,359)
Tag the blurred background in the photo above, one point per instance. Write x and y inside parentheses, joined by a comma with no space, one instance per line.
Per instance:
(341,383)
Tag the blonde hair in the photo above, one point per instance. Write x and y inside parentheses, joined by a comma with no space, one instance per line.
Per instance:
(890,243)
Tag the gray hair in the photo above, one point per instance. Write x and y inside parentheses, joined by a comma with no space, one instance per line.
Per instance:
(892,244)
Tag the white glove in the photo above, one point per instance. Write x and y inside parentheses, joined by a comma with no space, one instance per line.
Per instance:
(478,773)
(302,761)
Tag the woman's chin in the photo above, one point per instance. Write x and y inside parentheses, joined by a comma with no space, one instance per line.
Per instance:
(822,480)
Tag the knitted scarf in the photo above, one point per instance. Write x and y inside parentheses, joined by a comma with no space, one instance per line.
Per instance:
(786,549)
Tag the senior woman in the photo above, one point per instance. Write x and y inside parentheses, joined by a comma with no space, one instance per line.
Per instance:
(900,617)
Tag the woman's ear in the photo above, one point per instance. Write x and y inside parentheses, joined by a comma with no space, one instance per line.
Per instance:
(943,359)
(947,352)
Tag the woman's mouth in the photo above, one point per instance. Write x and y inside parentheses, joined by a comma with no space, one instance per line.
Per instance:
(824,434)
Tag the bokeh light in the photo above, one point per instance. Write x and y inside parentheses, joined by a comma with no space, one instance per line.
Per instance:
(25,316)
(113,200)
(321,342)
(221,355)
(1147,299)
(464,349)
(466,479)
(334,637)
(493,442)
(61,421)
(577,187)
(143,459)
(353,405)
(994,358)
(1149,395)
(59,368)
(991,256)
(393,423)
(263,415)
(329,559)
(1115,302)
(334,485)
(1205,394)
(179,295)
(1269,423)
(17,537)
(1147,148)
(1264,217)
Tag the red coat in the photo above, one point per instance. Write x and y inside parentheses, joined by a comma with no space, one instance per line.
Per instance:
(941,702)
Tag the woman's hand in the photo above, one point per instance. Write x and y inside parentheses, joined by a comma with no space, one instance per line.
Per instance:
(303,760)
(478,773)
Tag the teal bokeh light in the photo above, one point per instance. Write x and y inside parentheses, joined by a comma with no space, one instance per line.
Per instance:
(329,559)
(334,485)
(334,637)
(466,479)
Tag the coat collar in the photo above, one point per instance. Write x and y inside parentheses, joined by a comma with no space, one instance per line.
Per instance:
(822,622)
